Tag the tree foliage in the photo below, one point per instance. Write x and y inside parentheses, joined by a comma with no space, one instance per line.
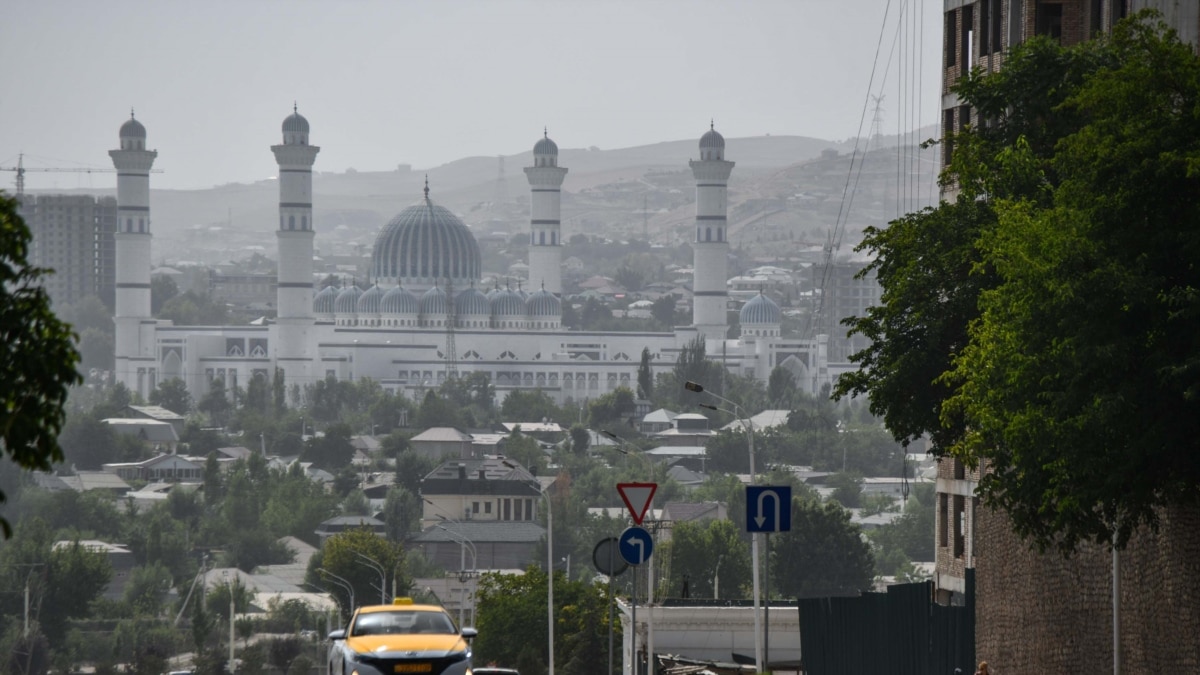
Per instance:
(37,355)
(1046,323)
(707,554)
(823,554)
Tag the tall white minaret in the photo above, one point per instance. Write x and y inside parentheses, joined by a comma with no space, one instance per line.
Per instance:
(711,247)
(134,339)
(294,294)
(545,213)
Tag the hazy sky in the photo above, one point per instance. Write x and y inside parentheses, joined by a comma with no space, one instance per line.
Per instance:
(428,82)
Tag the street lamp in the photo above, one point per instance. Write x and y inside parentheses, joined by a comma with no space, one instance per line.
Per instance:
(374,564)
(754,538)
(463,574)
(549,572)
(345,585)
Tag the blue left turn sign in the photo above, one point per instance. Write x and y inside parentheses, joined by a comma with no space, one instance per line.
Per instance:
(636,545)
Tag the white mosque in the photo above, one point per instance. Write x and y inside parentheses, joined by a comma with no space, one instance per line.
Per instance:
(423,319)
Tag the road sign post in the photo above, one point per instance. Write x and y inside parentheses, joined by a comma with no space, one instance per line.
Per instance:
(768,508)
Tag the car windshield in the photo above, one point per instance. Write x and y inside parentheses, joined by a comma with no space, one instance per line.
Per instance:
(401,622)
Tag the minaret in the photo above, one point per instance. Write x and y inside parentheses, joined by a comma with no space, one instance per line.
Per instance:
(711,247)
(294,294)
(545,212)
(134,339)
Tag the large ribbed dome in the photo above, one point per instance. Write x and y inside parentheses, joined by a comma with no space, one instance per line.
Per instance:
(323,302)
(399,300)
(760,310)
(133,128)
(424,245)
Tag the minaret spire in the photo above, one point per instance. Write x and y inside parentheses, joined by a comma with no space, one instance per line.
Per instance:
(426,187)
(711,248)
(545,217)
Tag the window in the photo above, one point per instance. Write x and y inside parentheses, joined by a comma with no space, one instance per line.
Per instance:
(474,507)
(487,507)
(943,520)
(948,133)
(951,38)
(967,34)
(985,16)
(960,522)
(1049,20)
(960,471)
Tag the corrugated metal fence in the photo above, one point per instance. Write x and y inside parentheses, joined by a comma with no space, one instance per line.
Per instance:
(900,632)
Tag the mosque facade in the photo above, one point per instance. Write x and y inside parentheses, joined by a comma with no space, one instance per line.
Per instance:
(422,318)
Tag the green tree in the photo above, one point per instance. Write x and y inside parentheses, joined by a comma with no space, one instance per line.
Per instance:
(663,311)
(1030,331)
(173,395)
(580,439)
(436,411)
(162,289)
(710,553)
(611,408)
(411,468)
(823,554)
(216,403)
(401,513)
(529,406)
(645,376)
(37,355)
(331,451)
(345,554)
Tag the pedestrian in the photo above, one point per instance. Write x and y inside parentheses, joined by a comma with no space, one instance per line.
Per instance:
(983,669)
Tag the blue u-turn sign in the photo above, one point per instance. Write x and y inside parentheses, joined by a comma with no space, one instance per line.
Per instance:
(768,508)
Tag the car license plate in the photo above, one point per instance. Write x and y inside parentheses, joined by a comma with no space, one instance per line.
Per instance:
(413,667)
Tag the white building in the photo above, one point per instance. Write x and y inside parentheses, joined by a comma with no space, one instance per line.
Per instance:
(422,319)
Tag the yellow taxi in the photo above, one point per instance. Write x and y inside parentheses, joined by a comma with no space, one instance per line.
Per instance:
(400,638)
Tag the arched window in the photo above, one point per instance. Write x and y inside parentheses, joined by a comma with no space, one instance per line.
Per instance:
(542,238)
(304,222)
(129,224)
(554,239)
(708,234)
(291,222)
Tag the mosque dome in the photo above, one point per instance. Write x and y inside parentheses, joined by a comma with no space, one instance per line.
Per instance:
(433,303)
(133,128)
(508,303)
(295,123)
(472,302)
(712,145)
(423,245)
(543,304)
(368,302)
(545,152)
(346,301)
(399,300)
(491,295)
(760,310)
(323,302)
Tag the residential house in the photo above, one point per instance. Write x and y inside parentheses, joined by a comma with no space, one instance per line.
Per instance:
(488,489)
(159,468)
(120,557)
(157,413)
(340,524)
(155,434)
(441,443)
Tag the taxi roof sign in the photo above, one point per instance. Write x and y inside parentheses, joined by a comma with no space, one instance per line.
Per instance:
(402,601)
(637,498)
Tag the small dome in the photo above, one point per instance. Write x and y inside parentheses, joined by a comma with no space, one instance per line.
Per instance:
(508,303)
(133,128)
(760,310)
(545,146)
(295,123)
(712,140)
(323,302)
(368,303)
(347,300)
(491,295)
(399,300)
(433,303)
(543,304)
(472,302)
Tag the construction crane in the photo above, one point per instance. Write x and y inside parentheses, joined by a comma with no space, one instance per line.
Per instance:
(21,169)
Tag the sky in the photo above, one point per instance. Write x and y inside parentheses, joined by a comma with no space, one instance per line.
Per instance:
(428,82)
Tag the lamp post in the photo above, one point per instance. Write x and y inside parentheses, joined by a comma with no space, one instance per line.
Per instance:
(549,573)
(754,538)
(231,635)
(463,574)
(375,565)
(345,585)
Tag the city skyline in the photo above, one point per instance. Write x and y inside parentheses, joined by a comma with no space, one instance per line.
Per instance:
(428,83)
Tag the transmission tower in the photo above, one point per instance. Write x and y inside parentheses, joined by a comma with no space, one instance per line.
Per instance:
(451,318)
(876,118)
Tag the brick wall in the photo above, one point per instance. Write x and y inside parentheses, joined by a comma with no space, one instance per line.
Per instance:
(1043,614)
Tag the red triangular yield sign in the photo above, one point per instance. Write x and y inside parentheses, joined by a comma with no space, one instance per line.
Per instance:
(637,498)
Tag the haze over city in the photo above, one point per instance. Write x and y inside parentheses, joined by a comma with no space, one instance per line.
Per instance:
(388,83)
